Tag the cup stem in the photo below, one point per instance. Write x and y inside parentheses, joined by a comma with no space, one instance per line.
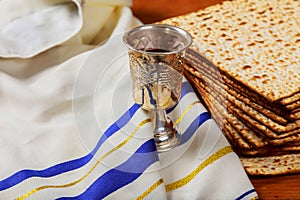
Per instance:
(165,134)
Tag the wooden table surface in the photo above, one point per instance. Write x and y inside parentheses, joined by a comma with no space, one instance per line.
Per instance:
(148,11)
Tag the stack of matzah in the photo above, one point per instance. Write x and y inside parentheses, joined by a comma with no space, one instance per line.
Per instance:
(245,64)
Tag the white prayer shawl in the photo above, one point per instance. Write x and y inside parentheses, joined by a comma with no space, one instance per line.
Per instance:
(70,128)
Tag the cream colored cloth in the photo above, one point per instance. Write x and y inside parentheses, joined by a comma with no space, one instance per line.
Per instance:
(70,128)
(24,32)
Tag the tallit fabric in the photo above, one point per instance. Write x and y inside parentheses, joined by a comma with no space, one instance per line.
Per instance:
(70,129)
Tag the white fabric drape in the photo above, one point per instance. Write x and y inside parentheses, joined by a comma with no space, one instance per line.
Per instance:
(70,129)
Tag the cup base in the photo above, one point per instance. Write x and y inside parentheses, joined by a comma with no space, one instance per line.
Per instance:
(167,140)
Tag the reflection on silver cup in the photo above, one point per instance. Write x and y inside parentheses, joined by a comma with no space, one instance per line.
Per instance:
(156,65)
(156,79)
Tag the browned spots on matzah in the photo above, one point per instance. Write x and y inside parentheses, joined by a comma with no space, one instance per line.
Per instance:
(260,34)
(253,91)
(272,165)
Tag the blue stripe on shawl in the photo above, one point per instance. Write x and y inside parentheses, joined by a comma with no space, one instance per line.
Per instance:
(60,168)
(69,165)
(197,122)
(123,174)
(130,170)
(245,194)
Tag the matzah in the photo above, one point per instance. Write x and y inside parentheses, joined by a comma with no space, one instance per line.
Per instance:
(226,108)
(257,156)
(270,110)
(250,79)
(246,141)
(289,163)
(245,39)
(264,116)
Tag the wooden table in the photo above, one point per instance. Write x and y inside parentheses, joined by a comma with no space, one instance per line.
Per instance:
(149,11)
